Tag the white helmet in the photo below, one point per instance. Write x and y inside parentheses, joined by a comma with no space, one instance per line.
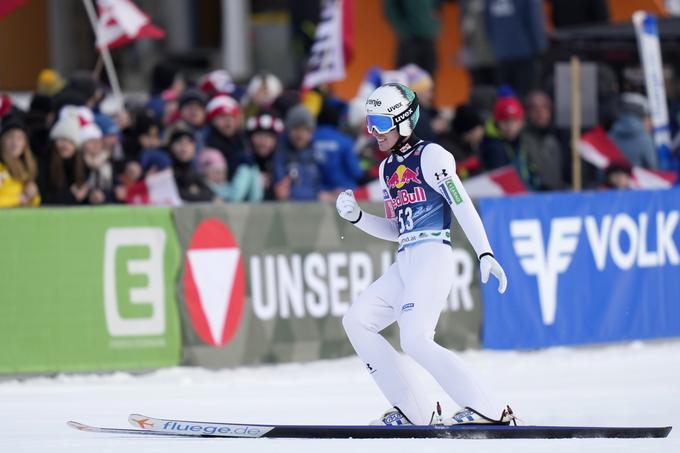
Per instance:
(392,105)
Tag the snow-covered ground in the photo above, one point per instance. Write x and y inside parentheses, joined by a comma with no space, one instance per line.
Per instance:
(630,384)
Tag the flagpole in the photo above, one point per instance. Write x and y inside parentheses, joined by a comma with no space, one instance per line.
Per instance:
(106,56)
(97,71)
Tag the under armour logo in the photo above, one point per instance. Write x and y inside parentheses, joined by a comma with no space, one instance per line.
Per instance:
(443,174)
(529,247)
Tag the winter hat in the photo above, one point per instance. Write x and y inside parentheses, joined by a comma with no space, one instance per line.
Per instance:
(635,103)
(264,122)
(217,82)
(41,103)
(417,78)
(299,116)
(177,132)
(68,97)
(143,124)
(83,83)
(49,82)
(106,124)
(90,131)
(508,108)
(192,95)
(88,128)
(210,158)
(466,119)
(10,122)
(67,126)
(270,81)
(222,105)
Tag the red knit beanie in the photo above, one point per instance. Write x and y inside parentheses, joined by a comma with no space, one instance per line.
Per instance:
(508,108)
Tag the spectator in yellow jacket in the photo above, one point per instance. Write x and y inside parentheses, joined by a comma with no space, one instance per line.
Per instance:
(18,169)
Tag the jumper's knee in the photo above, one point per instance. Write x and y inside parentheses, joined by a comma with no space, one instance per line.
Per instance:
(350,321)
(415,344)
(356,320)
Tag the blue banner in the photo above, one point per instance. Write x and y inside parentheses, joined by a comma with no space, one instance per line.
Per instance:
(583,268)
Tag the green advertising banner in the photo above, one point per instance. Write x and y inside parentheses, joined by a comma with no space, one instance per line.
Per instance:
(270,283)
(88,289)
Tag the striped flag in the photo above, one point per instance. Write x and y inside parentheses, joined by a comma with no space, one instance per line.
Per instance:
(121,22)
(156,189)
(644,178)
(495,183)
(327,61)
(598,149)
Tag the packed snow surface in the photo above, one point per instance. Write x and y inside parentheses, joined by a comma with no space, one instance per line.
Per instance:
(634,384)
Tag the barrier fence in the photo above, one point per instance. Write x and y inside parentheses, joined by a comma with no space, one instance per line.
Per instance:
(584,268)
(270,283)
(89,289)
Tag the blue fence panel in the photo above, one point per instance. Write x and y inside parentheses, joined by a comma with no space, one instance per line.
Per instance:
(583,268)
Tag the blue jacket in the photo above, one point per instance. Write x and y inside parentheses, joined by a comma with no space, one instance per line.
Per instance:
(629,134)
(340,167)
(302,166)
(515,28)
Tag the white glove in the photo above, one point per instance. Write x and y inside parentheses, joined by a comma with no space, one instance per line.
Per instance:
(488,264)
(347,206)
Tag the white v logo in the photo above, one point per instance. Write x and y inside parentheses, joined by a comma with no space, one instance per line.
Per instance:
(529,247)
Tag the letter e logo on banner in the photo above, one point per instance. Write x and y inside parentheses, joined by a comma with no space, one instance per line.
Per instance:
(118,308)
(214,282)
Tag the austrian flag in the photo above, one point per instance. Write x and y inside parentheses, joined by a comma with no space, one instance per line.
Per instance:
(121,22)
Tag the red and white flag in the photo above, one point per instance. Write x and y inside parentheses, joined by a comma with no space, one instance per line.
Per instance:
(598,149)
(644,178)
(495,183)
(156,189)
(121,22)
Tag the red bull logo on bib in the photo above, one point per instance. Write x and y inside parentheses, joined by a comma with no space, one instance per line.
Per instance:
(405,197)
(402,176)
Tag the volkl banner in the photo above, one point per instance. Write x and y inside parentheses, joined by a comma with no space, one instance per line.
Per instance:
(88,289)
(271,282)
(584,268)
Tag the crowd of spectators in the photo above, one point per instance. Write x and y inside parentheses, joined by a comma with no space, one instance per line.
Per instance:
(224,142)
(229,143)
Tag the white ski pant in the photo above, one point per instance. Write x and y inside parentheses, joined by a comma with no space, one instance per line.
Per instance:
(412,292)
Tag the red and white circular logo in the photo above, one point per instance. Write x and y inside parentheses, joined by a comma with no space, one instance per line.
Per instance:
(214,282)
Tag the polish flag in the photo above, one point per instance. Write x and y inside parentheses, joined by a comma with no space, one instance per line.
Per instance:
(495,183)
(644,178)
(156,189)
(598,149)
(121,22)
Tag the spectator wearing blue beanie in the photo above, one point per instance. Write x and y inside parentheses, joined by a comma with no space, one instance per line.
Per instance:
(110,136)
